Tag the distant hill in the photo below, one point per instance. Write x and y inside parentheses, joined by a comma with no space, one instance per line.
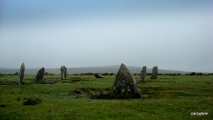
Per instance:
(100,69)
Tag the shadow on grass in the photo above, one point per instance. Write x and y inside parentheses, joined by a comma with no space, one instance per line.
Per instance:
(107,93)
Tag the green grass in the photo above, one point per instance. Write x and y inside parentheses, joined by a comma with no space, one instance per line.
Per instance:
(167,97)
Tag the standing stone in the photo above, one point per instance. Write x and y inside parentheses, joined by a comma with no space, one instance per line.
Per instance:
(125,82)
(143,73)
(154,72)
(63,72)
(21,74)
(97,75)
(40,74)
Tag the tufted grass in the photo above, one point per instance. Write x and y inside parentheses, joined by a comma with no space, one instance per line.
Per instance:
(168,97)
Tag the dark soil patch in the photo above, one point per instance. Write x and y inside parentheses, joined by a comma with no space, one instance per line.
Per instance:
(85,90)
(31,101)
(18,99)
(2,105)
(6,82)
(48,81)
(79,91)
(100,96)
(106,93)
(75,79)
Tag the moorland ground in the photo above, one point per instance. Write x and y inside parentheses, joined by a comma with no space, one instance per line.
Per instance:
(86,97)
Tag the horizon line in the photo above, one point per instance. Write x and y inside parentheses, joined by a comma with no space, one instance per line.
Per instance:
(107,66)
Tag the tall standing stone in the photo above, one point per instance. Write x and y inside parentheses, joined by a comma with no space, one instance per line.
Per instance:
(125,82)
(63,72)
(21,74)
(154,72)
(40,74)
(143,73)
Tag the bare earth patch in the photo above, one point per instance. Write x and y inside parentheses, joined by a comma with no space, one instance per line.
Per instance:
(31,101)
(107,93)
(48,81)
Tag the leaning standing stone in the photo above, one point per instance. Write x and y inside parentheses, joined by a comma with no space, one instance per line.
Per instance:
(40,74)
(21,74)
(63,72)
(125,82)
(97,75)
(143,73)
(154,72)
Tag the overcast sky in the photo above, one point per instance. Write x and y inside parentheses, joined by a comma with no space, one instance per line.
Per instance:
(172,34)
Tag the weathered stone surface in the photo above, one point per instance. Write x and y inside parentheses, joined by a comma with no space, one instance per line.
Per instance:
(154,72)
(125,82)
(21,74)
(143,73)
(40,74)
(97,75)
(63,72)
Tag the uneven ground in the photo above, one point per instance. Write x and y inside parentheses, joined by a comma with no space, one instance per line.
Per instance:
(86,97)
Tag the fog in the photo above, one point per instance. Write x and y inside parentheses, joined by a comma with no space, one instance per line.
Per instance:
(174,35)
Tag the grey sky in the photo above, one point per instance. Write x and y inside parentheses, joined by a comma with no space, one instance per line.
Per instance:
(179,37)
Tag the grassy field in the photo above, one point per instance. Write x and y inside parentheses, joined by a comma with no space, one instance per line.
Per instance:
(168,97)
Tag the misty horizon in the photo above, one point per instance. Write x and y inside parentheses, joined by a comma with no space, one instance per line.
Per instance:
(96,69)
(174,35)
